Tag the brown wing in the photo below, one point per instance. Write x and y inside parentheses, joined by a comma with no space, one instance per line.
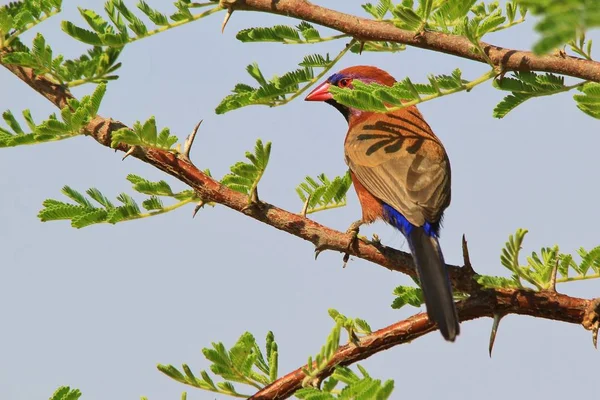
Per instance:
(400,161)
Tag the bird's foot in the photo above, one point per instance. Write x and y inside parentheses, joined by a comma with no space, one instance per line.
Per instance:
(352,230)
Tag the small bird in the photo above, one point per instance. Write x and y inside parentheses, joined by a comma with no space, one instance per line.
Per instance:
(401,174)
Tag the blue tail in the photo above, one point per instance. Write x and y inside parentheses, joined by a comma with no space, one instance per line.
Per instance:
(432,272)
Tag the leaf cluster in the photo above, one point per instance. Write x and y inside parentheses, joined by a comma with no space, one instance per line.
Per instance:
(541,267)
(84,211)
(380,98)
(589,101)
(97,66)
(124,26)
(562,21)
(66,393)
(459,17)
(300,34)
(357,388)
(75,117)
(145,135)
(244,176)
(353,326)
(275,91)
(322,193)
(243,363)
(524,86)
(305,33)
(18,16)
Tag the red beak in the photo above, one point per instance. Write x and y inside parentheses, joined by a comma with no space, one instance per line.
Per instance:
(320,93)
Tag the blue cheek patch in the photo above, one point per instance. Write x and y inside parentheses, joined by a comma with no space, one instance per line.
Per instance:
(398,221)
(335,78)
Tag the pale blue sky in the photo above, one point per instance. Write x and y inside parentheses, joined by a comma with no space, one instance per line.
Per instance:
(98,308)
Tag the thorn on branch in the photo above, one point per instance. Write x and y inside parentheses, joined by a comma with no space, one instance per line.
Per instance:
(253,200)
(362,46)
(305,207)
(497,318)
(466,258)
(189,142)
(552,286)
(591,320)
(375,240)
(320,246)
(198,207)
(226,19)
(129,152)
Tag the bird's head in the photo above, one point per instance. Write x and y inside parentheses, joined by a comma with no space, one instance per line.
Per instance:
(344,79)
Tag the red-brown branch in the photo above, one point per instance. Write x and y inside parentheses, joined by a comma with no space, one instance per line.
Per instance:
(367,29)
(482,303)
(485,303)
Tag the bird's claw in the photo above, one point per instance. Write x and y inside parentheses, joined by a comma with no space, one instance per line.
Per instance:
(591,320)
(353,232)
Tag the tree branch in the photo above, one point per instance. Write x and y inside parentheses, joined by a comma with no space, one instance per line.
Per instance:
(365,29)
(485,303)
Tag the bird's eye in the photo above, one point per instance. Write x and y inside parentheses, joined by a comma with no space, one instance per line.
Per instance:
(344,83)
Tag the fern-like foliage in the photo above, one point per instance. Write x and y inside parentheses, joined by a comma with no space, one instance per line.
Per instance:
(540,267)
(407,295)
(66,393)
(589,101)
(301,34)
(561,21)
(380,98)
(323,193)
(379,10)
(459,17)
(96,208)
(125,26)
(19,16)
(145,135)
(243,363)
(244,176)
(97,66)
(413,296)
(75,117)
(380,47)
(356,388)
(526,85)
(353,327)
(279,90)
(305,33)
(275,91)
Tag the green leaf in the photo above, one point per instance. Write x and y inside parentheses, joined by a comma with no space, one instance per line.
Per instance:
(589,101)
(497,282)
(278,90)
(12,122)
(406,18)
(244,177)
(83,35)
(509,103)
(66,393)
(144,135)
(560,21)
(510,253)
(407,295)
(324,194)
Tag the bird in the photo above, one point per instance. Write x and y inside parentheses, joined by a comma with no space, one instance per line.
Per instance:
(401,174)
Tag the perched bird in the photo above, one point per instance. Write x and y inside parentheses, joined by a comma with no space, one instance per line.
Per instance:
(401,174)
